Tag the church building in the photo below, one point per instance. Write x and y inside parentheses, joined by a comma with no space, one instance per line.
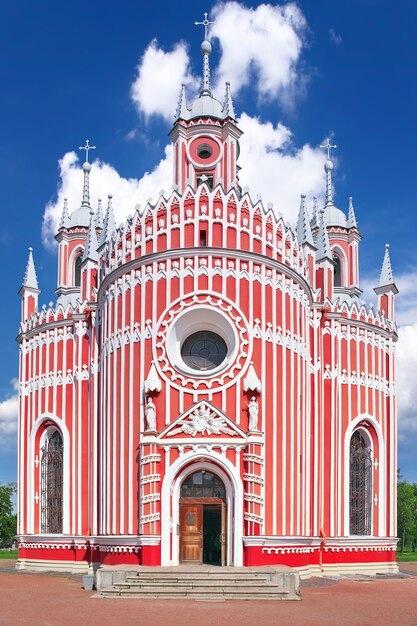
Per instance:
(209,386)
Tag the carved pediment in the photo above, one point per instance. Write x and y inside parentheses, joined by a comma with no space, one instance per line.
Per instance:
(203,420)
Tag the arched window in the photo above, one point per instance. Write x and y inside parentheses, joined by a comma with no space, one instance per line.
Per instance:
(360,486)
(203,485)
(52,484)
(77,270)
(337,280)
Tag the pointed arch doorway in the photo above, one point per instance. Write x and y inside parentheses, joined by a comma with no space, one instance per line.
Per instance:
(175,475)
(203,519)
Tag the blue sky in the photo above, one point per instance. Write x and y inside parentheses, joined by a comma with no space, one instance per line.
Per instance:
(68,72)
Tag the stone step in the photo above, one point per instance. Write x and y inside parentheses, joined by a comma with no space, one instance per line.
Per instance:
(217,588)
(201,583)
(258,594)
(196,580)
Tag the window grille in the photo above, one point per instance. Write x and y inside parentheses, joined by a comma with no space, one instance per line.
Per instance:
(52,484)
(360,495)
(203,485)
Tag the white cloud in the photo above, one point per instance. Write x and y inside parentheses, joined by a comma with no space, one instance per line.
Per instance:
(335,37)
(104,179)
(406,380)
(273,168)
(406,349)
(260,47)
(157,86)
(8,418)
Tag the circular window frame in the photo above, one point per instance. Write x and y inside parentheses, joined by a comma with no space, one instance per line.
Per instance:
(200,318)
(200,140)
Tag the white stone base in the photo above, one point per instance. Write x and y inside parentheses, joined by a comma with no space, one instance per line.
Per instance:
(358,569)
(34,565)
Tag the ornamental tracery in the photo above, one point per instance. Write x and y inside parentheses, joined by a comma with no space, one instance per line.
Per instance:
(236,365)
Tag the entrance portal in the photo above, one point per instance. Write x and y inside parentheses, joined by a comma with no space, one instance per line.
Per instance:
(202,527)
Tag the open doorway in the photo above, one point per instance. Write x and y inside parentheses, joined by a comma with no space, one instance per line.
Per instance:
(203,520)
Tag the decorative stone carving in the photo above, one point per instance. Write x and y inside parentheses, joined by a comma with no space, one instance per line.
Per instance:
(150,414)
(153,382)
(252,382)
(253,411)
(202,421)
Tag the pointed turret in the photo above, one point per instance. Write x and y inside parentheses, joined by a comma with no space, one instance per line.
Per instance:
(322,241)
(304,233)
(228,108)
(109,225)
(182,110)
(29,291)
(386,278)
(91,244)
(387,289)
(99,214)
(65,218)
(351,220)
(324,261)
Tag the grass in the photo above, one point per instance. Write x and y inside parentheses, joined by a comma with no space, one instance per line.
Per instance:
(8,554)
(406,556)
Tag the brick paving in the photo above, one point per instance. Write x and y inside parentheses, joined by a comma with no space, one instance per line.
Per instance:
(59,600)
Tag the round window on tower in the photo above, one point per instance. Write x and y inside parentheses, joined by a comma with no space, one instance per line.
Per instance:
(204,151)
(204,350)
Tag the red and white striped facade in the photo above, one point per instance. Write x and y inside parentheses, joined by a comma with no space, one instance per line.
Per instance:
(319,363)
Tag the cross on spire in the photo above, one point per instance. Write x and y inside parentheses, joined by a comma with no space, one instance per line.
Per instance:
(204,23)
(328,147)
(87,147)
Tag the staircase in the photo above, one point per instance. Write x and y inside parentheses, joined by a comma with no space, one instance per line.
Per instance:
(200,583)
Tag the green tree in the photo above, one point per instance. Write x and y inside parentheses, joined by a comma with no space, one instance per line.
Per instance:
(8,519)
(406,513)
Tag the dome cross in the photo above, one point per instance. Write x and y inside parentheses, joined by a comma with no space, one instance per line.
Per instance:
(204,23)
(87,147)
(328,147)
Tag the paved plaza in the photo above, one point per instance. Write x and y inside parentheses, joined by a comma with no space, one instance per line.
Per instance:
(49,600)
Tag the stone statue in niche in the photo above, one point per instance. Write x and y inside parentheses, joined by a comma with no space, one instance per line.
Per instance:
(150,414)
(253,410)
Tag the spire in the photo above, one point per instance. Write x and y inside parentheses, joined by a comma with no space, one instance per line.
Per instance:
(91,244)
(182,110)
(86,170)
(303,224)
(109,225)
(65,218)
(386,277)
(205,51)
(99,214)
(351,221)
(30,281)
(228,109)
(328,168)
(315,218)
(322,241)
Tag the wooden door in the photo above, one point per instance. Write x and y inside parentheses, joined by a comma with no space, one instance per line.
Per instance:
(191,533)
